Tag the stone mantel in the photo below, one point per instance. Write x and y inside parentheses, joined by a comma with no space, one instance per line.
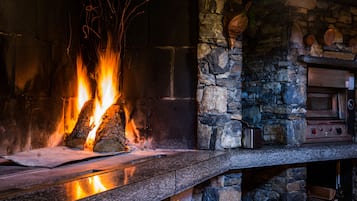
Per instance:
(158,178)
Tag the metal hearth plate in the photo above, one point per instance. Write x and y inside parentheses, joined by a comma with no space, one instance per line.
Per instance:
(51,157)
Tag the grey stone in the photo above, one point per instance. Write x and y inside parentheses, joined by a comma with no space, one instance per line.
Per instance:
(213,119)
(252,115)
(233,179)
(221,194)
(265,195)
(231,135)
(294,94)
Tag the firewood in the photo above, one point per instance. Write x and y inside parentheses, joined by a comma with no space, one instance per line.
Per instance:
(80,132)
(110,136)
(321,192)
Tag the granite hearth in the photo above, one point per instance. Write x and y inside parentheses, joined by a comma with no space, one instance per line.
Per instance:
(155,175)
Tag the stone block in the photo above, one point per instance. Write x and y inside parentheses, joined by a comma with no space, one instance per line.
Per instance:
(234,179)
(203,49)
(211,28)
(214,100)
(222,194)
(231,135)
(295,186)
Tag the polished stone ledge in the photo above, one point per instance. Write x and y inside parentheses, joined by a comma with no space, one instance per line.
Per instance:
(163,177)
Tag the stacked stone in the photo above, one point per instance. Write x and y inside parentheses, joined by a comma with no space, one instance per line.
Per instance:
(224,188)
(288,184)
(219,81)
(273,95)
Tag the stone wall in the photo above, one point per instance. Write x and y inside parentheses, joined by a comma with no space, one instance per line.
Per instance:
(274,85)
(274,183)
(273,95)
(219,79)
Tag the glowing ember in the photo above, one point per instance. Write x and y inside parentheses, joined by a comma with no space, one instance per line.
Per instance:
(107,91)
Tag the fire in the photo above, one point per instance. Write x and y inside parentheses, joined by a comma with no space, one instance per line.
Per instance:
(83,88)
(107,91)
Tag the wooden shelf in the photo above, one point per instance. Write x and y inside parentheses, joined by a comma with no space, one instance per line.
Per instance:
(329,62)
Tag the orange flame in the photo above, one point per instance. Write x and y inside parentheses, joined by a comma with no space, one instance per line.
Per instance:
(74,106)
(107,91)
(83,88)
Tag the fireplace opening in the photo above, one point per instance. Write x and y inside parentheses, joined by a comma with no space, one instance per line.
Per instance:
(156,67)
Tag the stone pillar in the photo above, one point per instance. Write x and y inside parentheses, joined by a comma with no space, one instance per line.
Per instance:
(218,95)
(219,81)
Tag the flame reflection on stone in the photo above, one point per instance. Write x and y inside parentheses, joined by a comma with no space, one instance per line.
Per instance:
(86,187)
(128,172)
(95,184)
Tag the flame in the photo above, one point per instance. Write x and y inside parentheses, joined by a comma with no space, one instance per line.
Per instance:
(72,106)
(83,88)
(107,91)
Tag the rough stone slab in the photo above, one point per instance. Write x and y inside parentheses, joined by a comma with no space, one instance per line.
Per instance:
(199,172)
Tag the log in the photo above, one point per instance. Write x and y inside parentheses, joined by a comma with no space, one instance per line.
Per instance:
(78,136)
(320,192)
(110,136)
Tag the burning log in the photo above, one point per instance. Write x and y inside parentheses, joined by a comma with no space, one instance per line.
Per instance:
(80,132)
(110,135)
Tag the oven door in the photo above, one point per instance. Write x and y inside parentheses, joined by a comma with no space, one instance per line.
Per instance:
(326,103)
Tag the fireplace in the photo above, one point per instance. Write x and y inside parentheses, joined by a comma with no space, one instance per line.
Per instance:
(188,86)
(39,79)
